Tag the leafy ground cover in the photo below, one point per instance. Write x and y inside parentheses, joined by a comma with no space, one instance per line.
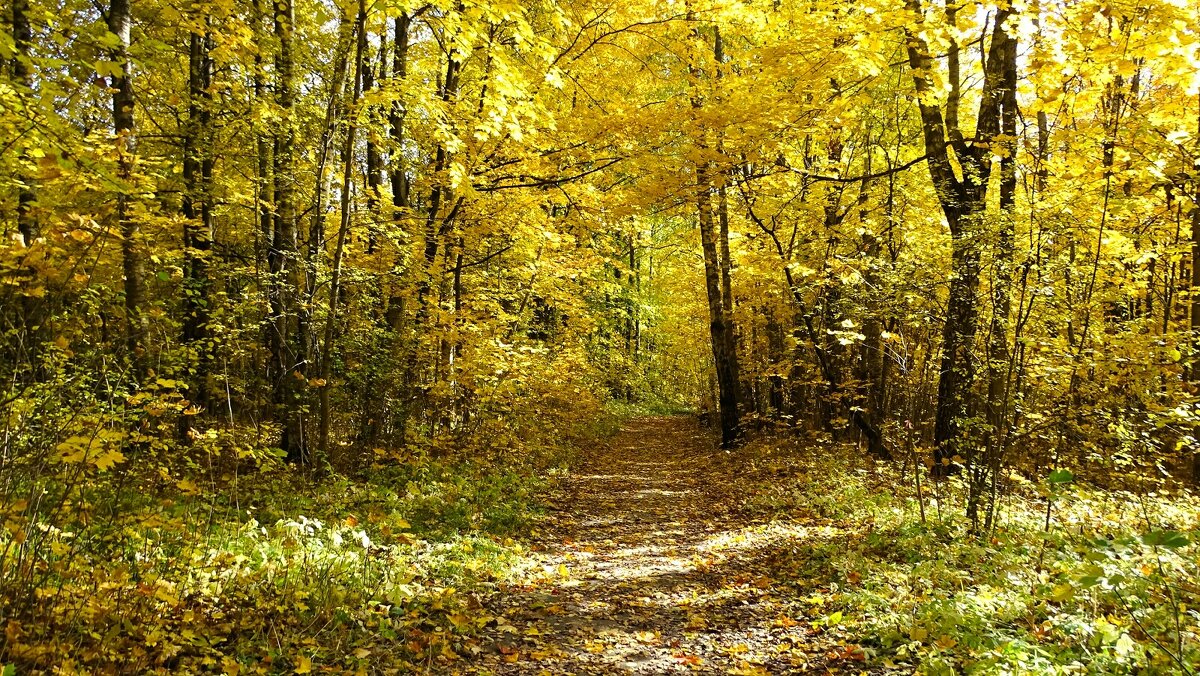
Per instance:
(280,574)
(655,553)
(664,555)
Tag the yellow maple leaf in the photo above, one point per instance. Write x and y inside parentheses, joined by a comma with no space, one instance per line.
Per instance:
(107,459)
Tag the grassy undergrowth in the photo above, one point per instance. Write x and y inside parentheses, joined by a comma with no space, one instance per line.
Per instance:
(269,572)
(1109,583)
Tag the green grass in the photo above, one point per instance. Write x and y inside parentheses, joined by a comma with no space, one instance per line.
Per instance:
(1112,587)
(269,571)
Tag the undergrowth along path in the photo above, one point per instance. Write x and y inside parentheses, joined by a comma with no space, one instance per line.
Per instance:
(646,565)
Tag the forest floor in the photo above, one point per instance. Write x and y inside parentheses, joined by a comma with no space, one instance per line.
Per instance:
(650,566)
(642,550)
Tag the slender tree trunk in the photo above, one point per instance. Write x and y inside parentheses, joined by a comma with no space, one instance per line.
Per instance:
(999,367)
(1194,323)
(399,175)
(441,162)
(435,224)
(120,22)
(22,35)
(726,262)
(335,282)
(718,329)
(727,294)
(290,357)
(374,156)
(264,212)
(315,248)
(197,209)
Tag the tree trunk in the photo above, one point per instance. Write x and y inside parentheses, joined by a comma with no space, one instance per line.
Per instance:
(999,366)
(335,281)
(197,209)
(22,72)
(435,224)
(727,378)
(288,348)
(727,294)
(1194,371)
(374,157)
(264,212)
(399,175)
(120,21)
(334,112)
(720,323)
(963,203)
(955,402)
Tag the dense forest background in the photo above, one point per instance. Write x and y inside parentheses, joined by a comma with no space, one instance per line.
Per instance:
(275,278)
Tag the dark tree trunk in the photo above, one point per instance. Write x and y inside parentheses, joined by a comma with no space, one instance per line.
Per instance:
(22,35)
(264,212)
(197,209)
(727,292)
(727,378)
(339,249)
(120,23)
(374,157)
(289,350)
(999,367)
(963,201)
(1194,323)
(399,175)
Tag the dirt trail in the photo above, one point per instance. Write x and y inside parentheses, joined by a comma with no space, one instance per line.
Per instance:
(647,570)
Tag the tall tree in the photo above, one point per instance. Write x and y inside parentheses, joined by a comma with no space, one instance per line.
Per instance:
(335,282)
(120,24)
(22,71)
(999,363)
(289,353)
(713,242)
(963,201)
(197,203)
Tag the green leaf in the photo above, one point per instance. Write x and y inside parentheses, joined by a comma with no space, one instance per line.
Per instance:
(1166,538)
(1062,592)
(1060,476)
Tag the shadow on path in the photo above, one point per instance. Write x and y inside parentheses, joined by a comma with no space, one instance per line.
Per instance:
(645,568)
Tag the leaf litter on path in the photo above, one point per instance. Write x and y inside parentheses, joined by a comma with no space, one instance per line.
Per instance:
(646,565)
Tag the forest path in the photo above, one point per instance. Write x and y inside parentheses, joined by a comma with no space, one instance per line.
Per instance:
(647,567)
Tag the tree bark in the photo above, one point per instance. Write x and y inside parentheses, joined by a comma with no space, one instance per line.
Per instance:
(335,281)
(399,175)
(727,377)
(1194,319)
(22,34)
(999,366)
(120,23)
(720,329)
(374,156)
(963,201)
(289,351)
(726,262)
(197,209)
(731,338)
